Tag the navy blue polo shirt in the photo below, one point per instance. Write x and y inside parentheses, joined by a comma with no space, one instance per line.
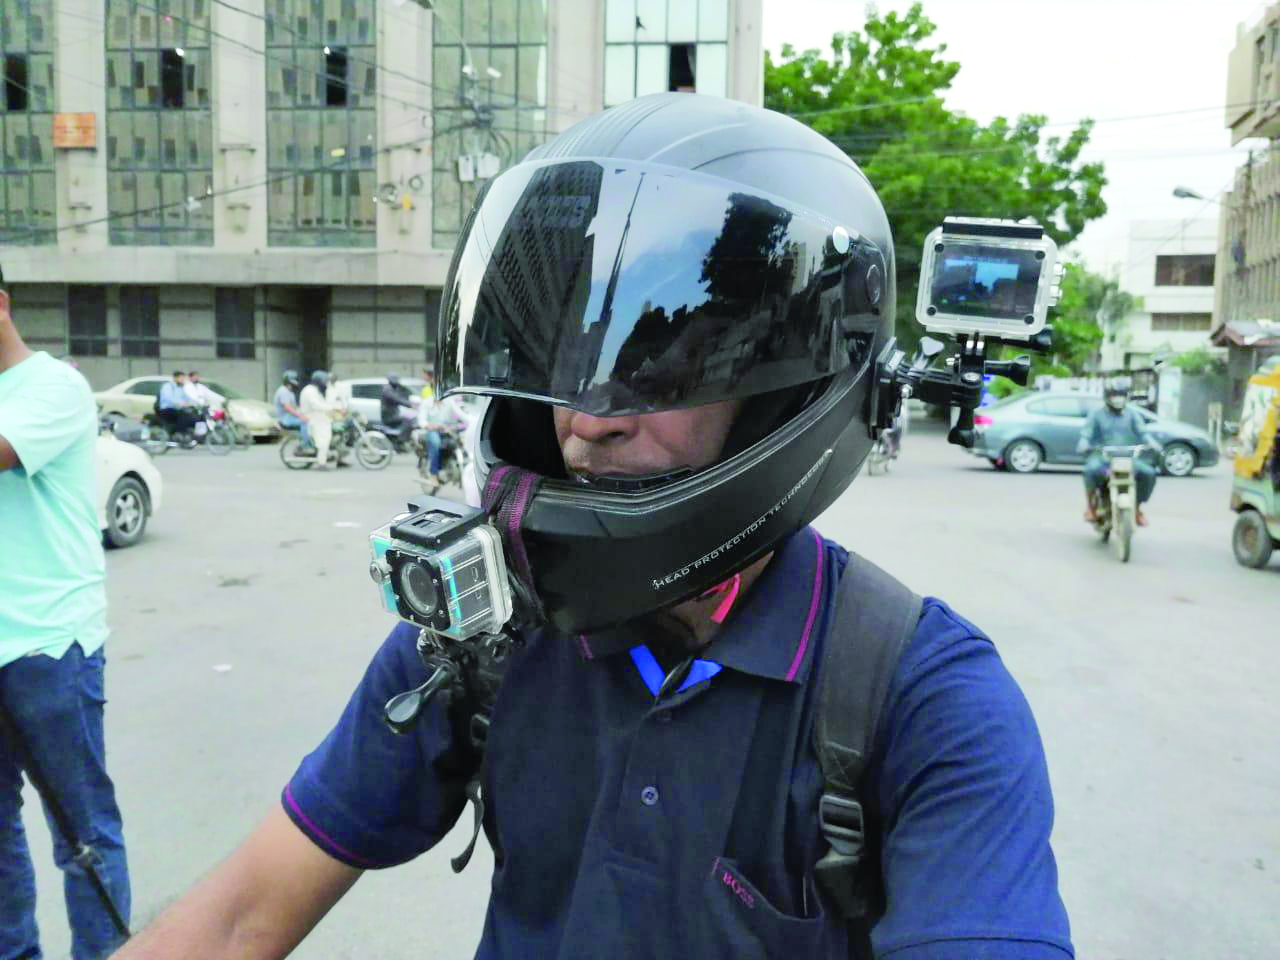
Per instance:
(624,827)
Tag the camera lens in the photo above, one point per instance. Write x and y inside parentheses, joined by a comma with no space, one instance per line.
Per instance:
(418,588)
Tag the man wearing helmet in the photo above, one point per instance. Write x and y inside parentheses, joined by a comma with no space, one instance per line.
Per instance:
(675,309)
(1116,424)
(318,410)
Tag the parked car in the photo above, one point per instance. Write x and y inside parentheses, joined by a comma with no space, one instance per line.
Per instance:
(129,490)
(136,398)
(1022,432)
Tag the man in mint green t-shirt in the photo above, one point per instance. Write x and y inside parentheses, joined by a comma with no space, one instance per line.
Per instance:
(52,629)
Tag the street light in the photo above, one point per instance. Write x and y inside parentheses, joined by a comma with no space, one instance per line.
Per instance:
(1186,193)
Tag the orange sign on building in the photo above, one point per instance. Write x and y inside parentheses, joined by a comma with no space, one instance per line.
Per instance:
(75,131)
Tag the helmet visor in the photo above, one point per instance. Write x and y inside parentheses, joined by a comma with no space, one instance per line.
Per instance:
(619,287)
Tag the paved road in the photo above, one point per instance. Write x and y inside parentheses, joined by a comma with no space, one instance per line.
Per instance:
(244,619)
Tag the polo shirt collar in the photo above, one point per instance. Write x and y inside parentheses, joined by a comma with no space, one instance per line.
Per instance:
(771,631)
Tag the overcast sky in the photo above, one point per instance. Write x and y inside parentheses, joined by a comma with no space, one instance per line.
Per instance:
(1103,59)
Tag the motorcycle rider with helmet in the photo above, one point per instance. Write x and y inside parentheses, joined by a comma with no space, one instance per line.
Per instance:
(1115,424)
(397,409)
(320,410)
(677,389)
(288,413)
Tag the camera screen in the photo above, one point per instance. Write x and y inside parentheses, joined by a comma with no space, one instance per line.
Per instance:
(986,281)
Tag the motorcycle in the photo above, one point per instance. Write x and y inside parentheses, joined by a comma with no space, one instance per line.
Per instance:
(1115,504)
(219,435)
(372,450)
(454,459)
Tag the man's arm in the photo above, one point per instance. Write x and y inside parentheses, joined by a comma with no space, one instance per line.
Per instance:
(8,456)
(258,904)
(1086,442)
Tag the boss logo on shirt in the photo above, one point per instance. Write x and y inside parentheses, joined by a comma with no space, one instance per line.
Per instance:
(728,879)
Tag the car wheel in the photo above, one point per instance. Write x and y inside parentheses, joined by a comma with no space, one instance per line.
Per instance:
(1250,540)
(1178,459)
(1023,456)
(127,508)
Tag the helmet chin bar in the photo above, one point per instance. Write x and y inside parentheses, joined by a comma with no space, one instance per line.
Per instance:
(956,381)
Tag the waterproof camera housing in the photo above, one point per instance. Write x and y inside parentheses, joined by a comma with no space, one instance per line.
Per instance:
(996,277)
(441,566)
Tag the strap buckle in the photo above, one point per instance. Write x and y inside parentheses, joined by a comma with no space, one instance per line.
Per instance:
(842,824)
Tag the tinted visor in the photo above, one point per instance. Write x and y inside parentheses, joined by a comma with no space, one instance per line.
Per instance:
(617,287)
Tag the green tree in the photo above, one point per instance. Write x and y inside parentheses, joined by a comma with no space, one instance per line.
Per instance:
(1091,306)
(879,97)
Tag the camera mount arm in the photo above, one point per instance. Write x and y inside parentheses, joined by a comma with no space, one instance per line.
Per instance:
(956,382)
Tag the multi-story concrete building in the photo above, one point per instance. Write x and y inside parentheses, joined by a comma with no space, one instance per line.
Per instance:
(1248,283)
(1170,266)
(242,186)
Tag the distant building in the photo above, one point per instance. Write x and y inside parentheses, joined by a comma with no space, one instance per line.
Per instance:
(244,187)
(1247,294)
(1170,266)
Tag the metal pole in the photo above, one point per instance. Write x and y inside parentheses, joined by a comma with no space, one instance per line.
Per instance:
(83,855)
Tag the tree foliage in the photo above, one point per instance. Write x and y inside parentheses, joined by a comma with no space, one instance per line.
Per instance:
(878,96)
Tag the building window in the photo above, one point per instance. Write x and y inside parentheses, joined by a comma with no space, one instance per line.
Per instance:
(1184,270)
(490,99)
(1181,322)
(234,326)
(139,321)
(159,123)
(28,213)
(322,98)
(15,82)
(652,46)
(335,72)
(87,320)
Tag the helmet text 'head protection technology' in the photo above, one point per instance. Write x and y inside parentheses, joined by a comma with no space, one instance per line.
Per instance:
(676,251)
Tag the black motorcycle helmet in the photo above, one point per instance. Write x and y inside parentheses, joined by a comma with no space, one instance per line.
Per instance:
(674,251)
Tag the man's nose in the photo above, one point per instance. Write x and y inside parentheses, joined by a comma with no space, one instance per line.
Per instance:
(600,429)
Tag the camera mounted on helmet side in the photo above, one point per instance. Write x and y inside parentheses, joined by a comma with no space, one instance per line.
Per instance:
(986,283)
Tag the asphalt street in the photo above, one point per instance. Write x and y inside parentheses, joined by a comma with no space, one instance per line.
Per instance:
(245,617)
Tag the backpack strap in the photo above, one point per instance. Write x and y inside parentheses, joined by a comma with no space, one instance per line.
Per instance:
(875,616)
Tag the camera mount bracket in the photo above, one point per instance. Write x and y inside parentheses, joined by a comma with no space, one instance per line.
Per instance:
(955,382)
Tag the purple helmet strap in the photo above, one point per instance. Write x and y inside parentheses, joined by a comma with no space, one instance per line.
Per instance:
(506,499)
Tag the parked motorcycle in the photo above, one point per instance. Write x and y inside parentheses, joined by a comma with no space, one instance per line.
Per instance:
(1115,504)
(372,449)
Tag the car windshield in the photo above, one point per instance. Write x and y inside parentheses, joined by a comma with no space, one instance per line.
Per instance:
(224,391)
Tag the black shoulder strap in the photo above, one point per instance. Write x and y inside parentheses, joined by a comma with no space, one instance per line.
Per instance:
(875,616)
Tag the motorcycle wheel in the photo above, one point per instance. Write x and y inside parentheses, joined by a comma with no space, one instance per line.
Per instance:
(243,436)
(157,441)
(220,439)
(290,457)
(1123,533)
(374,451)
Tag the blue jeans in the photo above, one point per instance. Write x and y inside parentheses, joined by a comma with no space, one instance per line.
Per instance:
(1144,476)
(433,451)
(289,422)
(57,705)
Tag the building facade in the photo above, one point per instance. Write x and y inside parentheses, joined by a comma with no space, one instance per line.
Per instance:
(1170,266)
(1248,285)
(244,186)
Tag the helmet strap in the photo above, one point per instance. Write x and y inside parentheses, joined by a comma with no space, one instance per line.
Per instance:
(506,499)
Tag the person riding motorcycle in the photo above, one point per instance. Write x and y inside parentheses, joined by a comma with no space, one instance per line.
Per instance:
(288,414)
(397,408)
(1115,424)
(438,418)
(674,397)
(320,412)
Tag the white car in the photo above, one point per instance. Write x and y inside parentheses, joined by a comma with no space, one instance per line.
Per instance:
(129,490)
(136,398)
(365,394)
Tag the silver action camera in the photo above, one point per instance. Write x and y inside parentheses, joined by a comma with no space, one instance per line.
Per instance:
(997,277)
(441,566)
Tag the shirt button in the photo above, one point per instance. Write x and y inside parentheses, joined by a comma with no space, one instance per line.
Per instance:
(649,796)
